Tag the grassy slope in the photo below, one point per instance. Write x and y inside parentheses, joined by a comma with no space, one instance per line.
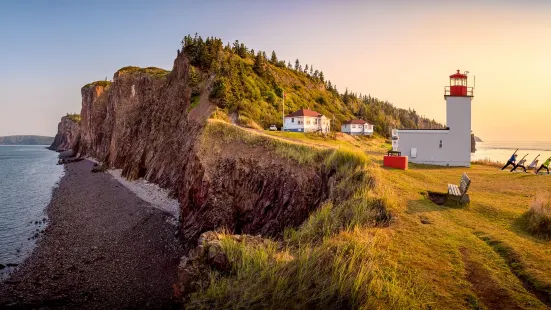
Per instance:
(257,95)
(466,258)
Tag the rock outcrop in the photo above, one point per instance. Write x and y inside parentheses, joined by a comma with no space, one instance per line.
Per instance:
(208,255)
(143,123)
(68,135)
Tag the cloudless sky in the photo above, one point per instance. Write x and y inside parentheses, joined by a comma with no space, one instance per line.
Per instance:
(400,51)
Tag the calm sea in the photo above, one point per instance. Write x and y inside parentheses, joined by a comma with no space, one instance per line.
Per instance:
(501,151)
(28,175)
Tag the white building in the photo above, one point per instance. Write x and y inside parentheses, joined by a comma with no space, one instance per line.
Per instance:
(443,147)
(305,120)
(357,127)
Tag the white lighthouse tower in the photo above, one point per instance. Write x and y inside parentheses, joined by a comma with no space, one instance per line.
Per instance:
(458,117)
(444,147)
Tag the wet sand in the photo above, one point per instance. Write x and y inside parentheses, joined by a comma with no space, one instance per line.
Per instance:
(104,248)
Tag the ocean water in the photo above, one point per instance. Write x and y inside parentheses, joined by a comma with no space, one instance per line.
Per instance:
(502,151)
(28,175)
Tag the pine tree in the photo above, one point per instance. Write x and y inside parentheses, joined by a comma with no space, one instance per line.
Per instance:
(259,65)
(274,58)
(289,65)
(316,74)
(297,64)
(321,76)
(311,70)
(306,69)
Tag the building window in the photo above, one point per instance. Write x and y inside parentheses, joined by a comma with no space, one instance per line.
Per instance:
(292,120)
(440,143)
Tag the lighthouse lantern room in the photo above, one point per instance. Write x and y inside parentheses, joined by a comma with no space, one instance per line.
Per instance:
(458,86)
(450,146)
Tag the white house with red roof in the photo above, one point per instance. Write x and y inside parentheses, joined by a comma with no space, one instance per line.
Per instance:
(305,120)
(357,127)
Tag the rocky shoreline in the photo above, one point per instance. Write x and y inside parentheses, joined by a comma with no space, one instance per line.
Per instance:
(104,248)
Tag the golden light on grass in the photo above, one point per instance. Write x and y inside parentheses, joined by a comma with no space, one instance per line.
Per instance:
(539,216)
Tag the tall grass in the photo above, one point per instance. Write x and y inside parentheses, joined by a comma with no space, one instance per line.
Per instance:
(338,259)
(488,162)
(539,216)
(224,133)
(354,269)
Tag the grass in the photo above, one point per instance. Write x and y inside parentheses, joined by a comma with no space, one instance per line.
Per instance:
(538,220)
(230,134)
(488,162)
(75,117)
(98,83)
(152,71)
(367,248)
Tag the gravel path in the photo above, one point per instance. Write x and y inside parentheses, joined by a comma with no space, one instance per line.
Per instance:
(104,248)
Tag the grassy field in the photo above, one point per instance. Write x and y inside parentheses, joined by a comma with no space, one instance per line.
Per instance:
(427,256)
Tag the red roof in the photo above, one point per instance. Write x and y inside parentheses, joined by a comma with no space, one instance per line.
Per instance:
(458,75)
(304,112)
(355,121)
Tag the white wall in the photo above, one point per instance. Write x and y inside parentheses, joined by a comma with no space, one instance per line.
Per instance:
(427,143)
(357,129)
(456,142)
(306,124)
(458,118)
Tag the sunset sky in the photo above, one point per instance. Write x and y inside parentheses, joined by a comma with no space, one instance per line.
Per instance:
(393,50)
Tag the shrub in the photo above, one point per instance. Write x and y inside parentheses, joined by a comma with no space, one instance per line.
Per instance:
(539,216)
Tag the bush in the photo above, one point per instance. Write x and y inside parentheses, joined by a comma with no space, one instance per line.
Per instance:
(539,216)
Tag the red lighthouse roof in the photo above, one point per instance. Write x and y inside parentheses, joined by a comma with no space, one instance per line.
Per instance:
(458,75)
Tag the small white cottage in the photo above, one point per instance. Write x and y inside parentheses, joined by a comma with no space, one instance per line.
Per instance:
(305,120)
(357,127)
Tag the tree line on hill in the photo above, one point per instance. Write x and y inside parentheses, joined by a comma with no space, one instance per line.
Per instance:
(252,84)
(26,140)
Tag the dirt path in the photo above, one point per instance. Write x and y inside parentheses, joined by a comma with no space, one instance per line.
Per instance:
(486,289)
(104,248)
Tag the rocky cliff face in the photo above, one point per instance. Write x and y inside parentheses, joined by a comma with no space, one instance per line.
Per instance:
(143,123)
(68,135)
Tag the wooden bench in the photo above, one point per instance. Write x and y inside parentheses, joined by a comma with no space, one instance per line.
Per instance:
(459,193)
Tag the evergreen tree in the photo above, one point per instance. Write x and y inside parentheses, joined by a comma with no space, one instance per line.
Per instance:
(311,70)
(289,65)
(274,58)
(306,69)
(316,73)
(297,64)
(321,76)
(259,64)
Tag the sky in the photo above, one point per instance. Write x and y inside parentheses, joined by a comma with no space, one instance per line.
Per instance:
(400,51)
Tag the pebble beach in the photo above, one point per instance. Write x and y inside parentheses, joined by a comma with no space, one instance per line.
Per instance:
(103,248)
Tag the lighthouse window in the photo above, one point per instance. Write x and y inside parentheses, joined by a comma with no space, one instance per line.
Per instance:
(440,143)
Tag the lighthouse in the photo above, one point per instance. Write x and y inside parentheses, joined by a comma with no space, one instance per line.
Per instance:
(444,147)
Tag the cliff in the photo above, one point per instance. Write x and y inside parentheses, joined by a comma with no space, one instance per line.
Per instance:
(25,140)
(68,134)
(223,176)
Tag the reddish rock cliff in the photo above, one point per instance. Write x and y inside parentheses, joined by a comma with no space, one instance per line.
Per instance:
(68,135)
(142,123)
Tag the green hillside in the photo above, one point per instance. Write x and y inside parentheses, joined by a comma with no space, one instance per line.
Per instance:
(26,140)
(251,84)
